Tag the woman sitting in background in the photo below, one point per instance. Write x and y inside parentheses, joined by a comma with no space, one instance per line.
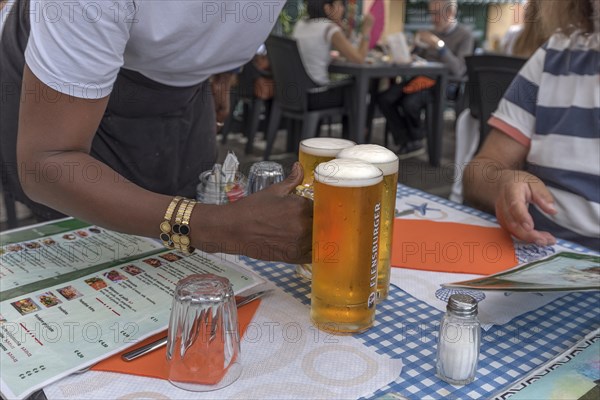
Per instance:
(323,30)
(540,165)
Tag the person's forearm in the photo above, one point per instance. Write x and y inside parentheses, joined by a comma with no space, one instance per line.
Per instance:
(224,79)
(78,185)
(484,178)
(508,194)
(357,54)
(221,89)
(456,62)
(363,48)
(499,162)
(83,187)
(221,86)
(56,169)
(481,183)
(352,53)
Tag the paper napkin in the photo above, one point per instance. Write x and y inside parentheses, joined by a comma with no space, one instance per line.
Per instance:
(451,247)
(154,364)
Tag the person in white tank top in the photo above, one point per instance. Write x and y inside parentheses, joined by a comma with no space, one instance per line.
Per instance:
(321,32)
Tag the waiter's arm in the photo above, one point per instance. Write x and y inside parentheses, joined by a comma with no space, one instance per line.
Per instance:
(53,146)
(54,141)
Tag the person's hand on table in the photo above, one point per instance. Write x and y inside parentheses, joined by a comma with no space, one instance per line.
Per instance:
(273,224)
(517,191)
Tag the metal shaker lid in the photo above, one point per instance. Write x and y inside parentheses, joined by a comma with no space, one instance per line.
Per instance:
(462,305)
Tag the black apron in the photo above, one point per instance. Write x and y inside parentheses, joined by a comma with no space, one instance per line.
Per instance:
(157,136)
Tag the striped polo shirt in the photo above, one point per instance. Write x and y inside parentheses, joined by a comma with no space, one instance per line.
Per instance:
(553,108)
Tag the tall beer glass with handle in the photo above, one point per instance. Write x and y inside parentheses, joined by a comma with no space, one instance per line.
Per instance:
(346,229)
(312,152)
(387,161)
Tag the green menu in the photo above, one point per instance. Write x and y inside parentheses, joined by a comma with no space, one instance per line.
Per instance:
(72,294)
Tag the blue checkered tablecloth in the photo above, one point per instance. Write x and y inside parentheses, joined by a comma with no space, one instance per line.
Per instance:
(406,327)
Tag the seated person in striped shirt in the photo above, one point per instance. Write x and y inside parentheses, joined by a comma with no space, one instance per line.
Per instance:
(540,166)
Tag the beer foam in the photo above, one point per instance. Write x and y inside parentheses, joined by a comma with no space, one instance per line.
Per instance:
(348,173)
(383,158)
(324,147)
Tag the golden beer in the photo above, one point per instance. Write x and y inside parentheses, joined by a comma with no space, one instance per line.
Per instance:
(346,228)
(387,162)
(313,152)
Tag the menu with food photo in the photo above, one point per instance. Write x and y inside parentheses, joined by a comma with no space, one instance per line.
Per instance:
(96,293)
(32,256)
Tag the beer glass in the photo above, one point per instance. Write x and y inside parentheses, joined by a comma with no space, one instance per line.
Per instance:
(387,162)
(346,229)
(314,151)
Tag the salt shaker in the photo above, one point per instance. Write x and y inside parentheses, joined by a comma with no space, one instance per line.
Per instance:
(459,340)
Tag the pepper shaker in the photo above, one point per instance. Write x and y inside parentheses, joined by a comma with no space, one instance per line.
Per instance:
(459,341)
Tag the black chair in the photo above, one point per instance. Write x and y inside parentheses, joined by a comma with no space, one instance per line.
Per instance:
(489,77)
(297,96)
(253,105)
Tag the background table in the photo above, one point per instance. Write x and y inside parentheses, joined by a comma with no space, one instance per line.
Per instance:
(406,327)
(364,73)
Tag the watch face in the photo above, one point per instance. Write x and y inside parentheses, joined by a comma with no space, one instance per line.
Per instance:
(440,44)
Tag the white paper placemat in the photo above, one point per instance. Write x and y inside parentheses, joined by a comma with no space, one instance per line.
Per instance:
(495,308)
(284,357)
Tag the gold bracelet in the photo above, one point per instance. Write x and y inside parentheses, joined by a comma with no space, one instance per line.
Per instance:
(165,226)
(178,218)
(184,229)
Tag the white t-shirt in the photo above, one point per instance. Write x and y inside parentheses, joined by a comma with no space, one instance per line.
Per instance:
(314,43)
(78,46)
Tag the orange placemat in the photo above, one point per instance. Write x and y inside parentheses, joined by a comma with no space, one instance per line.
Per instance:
(451,247)
(154,364)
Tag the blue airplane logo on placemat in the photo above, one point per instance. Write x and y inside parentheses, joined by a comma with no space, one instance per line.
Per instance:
(422,209)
